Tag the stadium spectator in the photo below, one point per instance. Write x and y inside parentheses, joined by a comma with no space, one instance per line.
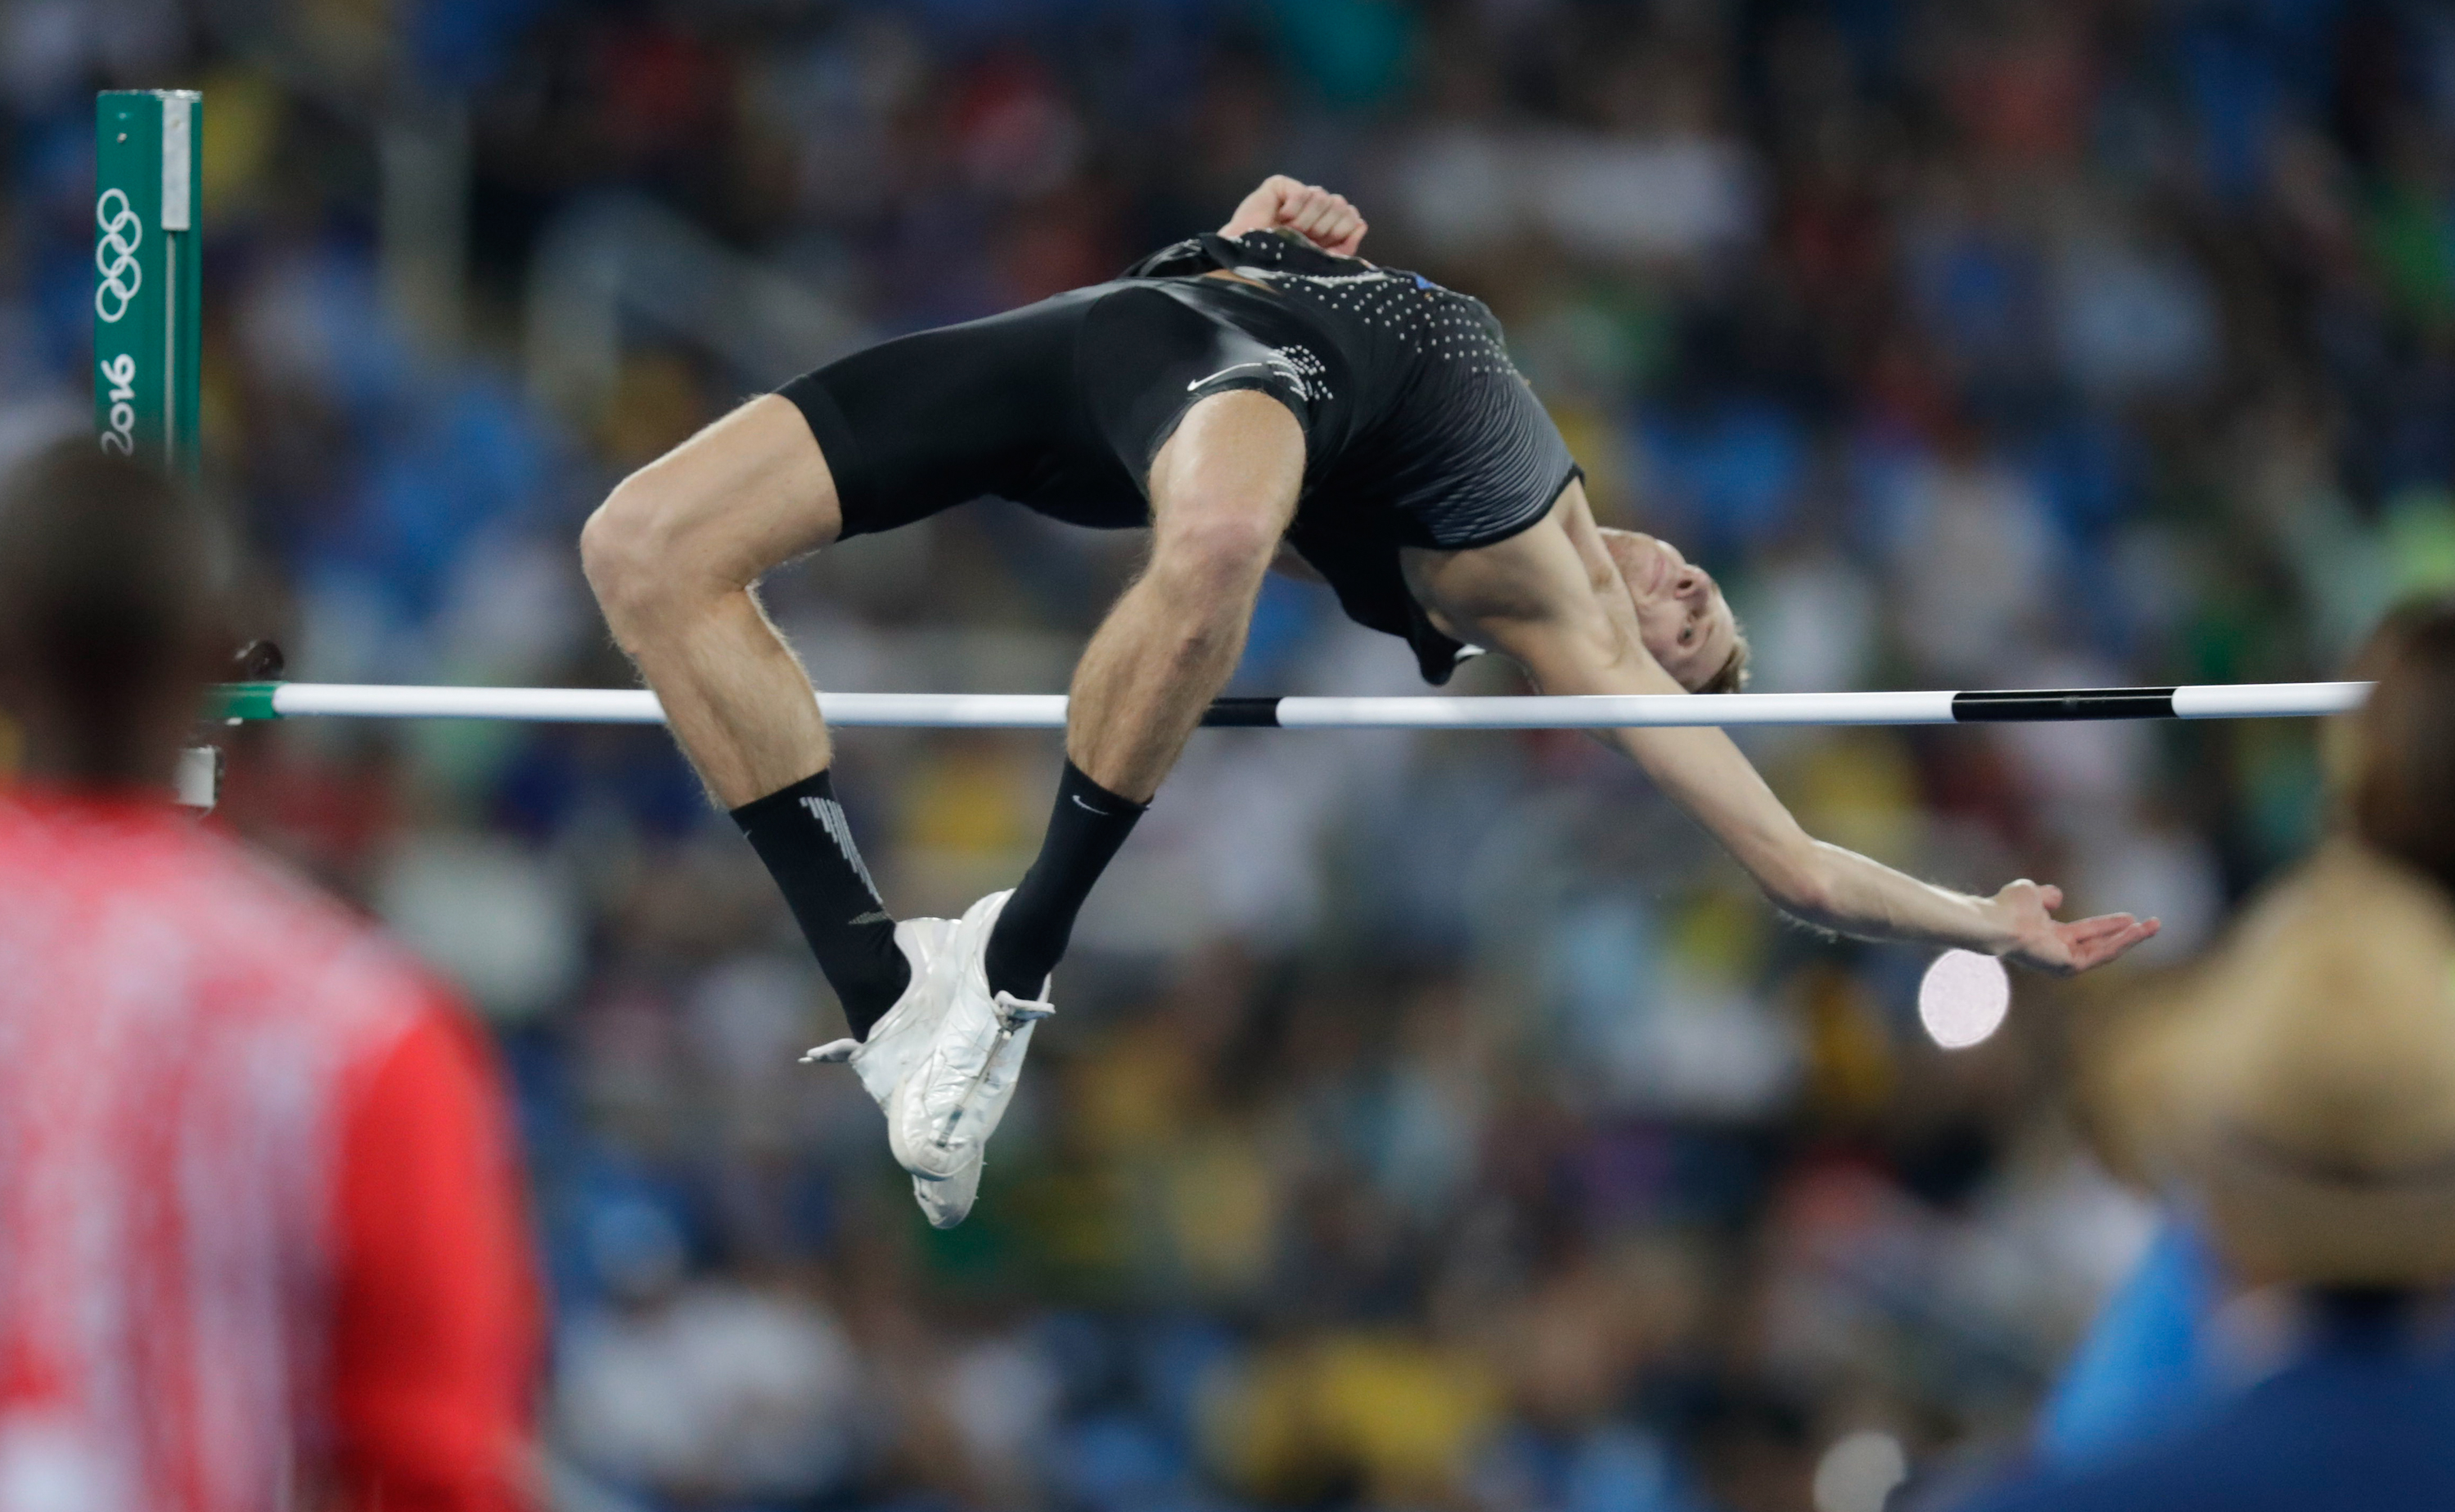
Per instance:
(2297,1097)
(261,1238)
(2152,1362)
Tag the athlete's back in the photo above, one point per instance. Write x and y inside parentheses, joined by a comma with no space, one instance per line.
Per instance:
(1399,332)
(1418,430)
(1421,432)
(259,1215)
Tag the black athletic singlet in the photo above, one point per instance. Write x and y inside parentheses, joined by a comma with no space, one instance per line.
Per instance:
(1418,430)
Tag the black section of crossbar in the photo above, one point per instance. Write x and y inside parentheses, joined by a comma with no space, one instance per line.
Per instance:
(1250,713)
(2025,705)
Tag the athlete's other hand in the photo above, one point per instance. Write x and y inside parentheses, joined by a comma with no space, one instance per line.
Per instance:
(2041,941)
(1325,219)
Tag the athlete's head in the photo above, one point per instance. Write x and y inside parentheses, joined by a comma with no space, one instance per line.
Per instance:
(1681,615)
(114,616)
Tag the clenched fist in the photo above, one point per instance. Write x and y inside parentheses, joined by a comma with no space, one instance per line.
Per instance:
(1325,219)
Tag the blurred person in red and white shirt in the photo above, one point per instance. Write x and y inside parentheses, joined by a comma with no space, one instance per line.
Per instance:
(262,1239)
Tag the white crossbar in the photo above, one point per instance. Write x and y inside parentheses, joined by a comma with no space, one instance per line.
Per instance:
(1047,711)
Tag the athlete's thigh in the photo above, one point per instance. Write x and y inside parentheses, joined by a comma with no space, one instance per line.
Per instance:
(930,420)
(1206,416)
(1234,463)
(747,492)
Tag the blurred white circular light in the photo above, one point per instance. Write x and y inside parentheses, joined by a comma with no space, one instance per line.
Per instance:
(1861,1469)
(1963,999)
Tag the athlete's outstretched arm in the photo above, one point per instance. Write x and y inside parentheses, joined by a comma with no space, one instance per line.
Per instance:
(1325,219)
(1551,599)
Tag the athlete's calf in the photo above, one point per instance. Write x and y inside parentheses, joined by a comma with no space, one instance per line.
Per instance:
(672,557)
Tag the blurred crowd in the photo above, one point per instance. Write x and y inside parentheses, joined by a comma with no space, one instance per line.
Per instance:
(1431,1120)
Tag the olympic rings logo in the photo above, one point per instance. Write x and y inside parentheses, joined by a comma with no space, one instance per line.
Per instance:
(114,255)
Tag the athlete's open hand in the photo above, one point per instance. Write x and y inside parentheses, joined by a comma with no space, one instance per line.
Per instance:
(1325,219)
(2045,944)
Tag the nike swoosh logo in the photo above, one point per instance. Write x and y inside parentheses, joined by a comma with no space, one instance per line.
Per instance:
(1190,388)
(1087,808)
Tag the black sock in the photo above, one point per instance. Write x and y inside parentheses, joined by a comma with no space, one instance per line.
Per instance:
(1085,829)
(801,833)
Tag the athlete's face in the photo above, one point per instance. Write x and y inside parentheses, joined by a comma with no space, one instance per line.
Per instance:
(1681,615)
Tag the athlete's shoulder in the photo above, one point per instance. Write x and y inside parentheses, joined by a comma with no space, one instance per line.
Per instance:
(118,870)
(84,847)
(278,922)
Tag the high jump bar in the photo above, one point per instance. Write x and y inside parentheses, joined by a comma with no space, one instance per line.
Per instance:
(236,702)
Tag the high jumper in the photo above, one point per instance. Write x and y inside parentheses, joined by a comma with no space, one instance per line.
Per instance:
(1258,396)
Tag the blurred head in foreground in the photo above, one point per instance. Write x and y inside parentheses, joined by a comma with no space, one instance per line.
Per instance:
(2398,751)
(114,616)
(2298,1089)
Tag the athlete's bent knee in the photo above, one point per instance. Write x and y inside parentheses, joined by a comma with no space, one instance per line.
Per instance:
(627,552)
(1220,554)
